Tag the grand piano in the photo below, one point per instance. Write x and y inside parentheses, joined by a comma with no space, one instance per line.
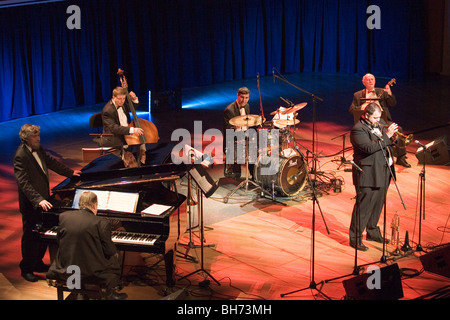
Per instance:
(132,231)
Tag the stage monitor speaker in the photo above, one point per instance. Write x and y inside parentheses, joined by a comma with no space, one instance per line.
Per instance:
(437,262)
(177,295)
(436,153)
(390,286)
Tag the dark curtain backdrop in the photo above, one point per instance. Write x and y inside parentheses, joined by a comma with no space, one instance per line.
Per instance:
(167,44)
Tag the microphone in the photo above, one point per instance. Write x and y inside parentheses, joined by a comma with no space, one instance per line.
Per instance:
(286,101)
(420,144)
(273,75)
(355,165)
(376,135)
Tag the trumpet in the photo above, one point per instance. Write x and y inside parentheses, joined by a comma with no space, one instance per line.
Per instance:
(190,200)
(407,138)
(395,236)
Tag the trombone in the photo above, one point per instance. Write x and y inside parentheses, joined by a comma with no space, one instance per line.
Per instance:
(407,138)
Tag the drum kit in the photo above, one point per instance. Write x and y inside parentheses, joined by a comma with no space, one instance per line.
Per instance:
(290,177)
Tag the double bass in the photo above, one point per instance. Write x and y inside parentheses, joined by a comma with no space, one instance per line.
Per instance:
(150,131)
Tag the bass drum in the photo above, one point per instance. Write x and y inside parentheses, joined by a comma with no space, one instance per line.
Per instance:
(288,180)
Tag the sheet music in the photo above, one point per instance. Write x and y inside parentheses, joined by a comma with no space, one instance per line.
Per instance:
(201,181)
(111,200)
(156,209)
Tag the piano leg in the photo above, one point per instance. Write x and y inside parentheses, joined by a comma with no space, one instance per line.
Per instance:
(52,250)
(169,260)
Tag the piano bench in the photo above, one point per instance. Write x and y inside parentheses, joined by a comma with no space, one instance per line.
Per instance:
(92,291)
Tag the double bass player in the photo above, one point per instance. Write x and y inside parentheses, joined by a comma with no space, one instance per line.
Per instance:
(116,121)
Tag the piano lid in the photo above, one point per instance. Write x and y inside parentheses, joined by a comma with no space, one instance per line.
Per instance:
(109,170)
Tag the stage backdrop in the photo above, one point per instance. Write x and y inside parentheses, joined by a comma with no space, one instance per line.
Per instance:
(167,44)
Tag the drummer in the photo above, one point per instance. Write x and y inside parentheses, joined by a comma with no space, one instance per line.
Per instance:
(239,107)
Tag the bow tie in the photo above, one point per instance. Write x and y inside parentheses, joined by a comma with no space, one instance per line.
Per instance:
(373,91)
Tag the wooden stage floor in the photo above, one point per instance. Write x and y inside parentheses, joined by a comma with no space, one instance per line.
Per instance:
(256,250)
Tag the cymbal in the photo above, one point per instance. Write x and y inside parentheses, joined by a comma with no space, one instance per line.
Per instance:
(248,120)
(287,122)
(295,108)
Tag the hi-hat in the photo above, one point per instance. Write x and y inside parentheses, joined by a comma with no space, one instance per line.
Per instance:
(248,120)
(279,110)
(287,122)
(295,108)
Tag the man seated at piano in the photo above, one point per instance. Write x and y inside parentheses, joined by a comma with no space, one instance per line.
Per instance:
(84,240)
(116,119)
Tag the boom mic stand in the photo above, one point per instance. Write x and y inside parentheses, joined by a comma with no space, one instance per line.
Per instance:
(313,284)
(391,175)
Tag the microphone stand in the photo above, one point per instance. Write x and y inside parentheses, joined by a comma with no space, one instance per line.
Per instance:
(343,160)
(383,258)
(313,284)
(422,198)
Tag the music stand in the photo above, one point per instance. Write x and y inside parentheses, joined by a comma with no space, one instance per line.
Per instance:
(206,188)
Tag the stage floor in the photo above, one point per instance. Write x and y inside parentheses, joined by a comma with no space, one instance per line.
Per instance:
(255,248)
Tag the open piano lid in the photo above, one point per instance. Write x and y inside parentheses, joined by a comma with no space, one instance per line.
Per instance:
(109,170)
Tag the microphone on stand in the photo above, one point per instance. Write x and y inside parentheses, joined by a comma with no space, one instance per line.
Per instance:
(377,135)
(420,144)
(355,165)
(273,75)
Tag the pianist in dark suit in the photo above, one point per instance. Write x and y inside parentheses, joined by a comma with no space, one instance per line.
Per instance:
(31,165)
(116,119)
(84,240)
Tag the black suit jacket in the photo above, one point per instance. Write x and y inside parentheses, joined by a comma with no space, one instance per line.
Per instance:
(231,111)
(32,181)
(84,240)
(386,101)
(368,155)
(111,124)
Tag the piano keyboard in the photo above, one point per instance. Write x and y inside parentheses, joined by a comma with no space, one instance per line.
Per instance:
(134,238)
(120,237)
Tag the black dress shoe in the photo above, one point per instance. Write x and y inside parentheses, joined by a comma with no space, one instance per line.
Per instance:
(29,276)
(42,268)
(114,295)
(359,247)
(403,162)
(379,239)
